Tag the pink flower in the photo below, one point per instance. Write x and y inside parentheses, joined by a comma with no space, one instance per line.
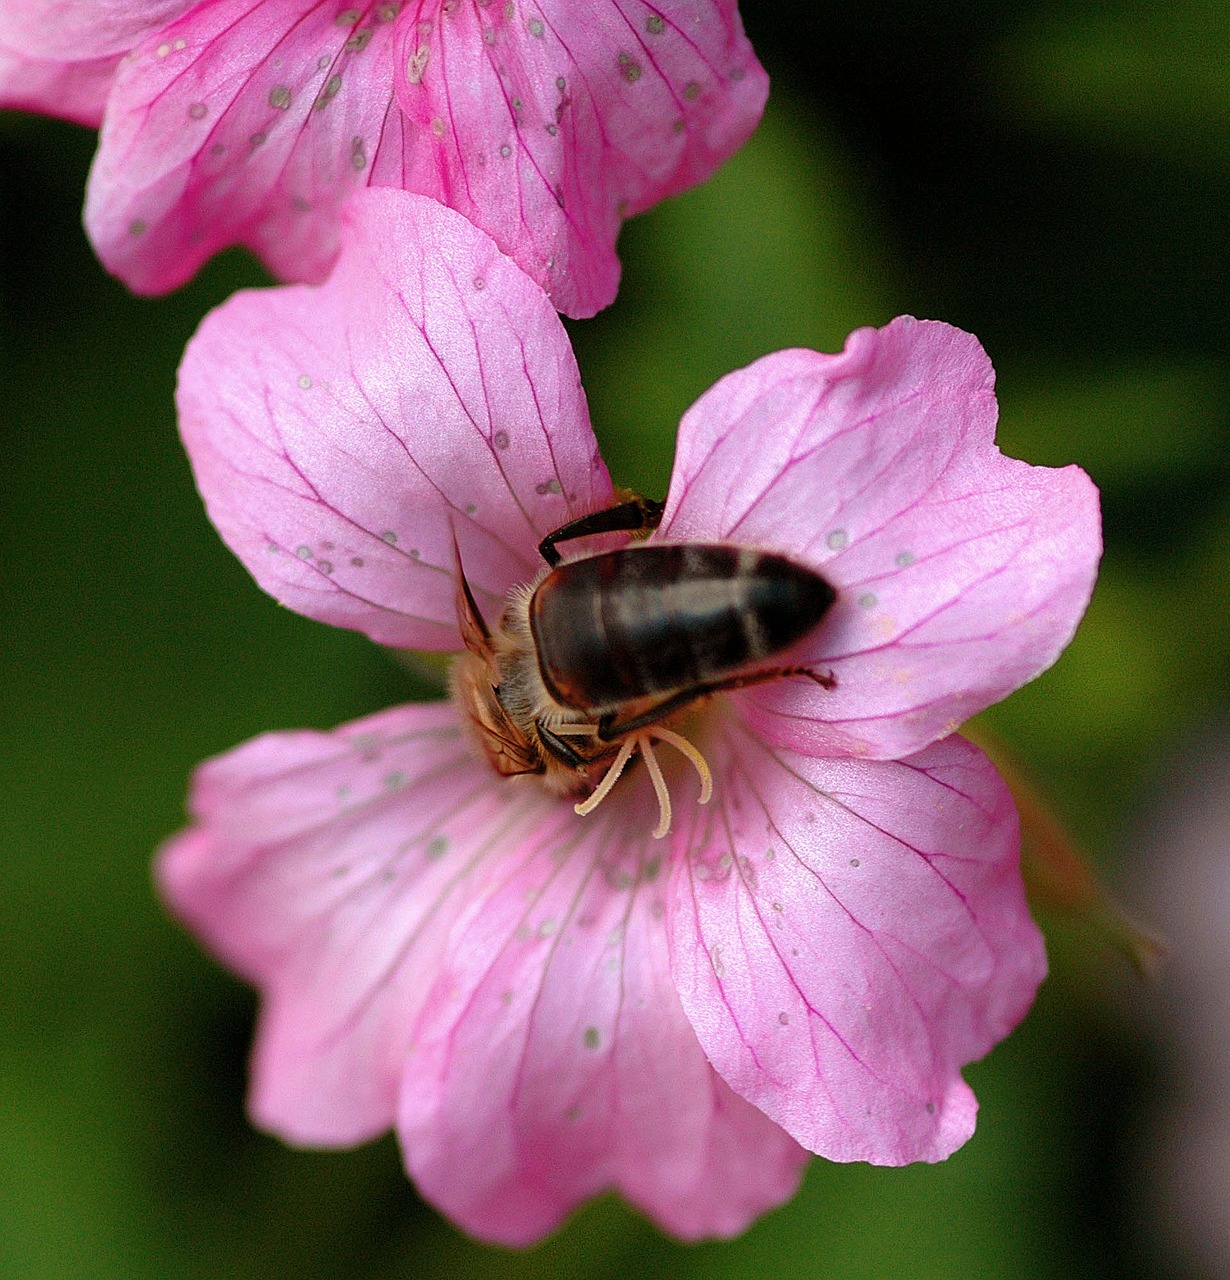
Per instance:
(547,1005)
(251,121)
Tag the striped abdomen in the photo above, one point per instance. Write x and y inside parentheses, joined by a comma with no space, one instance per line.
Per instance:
(652,619)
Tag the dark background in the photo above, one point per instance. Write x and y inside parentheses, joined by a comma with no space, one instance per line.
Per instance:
(1052,177)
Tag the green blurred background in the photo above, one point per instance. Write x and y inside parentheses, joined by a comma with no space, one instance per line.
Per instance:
(1051,176)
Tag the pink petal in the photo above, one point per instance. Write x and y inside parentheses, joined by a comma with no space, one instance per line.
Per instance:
(326,869)
(430,939)
(249,122)
(846,935)
(961,574)
(553,1059)
(75,91)
(551,123)
(342,435)
(72,31)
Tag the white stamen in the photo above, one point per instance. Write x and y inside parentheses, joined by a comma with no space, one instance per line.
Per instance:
(643,740)
(659,785)
(684,747)
(612,777)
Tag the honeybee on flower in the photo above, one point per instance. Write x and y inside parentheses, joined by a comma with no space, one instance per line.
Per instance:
(545,1003)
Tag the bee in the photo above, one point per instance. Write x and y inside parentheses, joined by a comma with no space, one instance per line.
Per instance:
(590,658)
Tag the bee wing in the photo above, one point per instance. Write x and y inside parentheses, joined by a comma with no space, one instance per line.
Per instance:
(507,749)
(475,633)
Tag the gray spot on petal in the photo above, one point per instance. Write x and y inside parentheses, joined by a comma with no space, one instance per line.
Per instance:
(328,93)
(416,64)
(628,68)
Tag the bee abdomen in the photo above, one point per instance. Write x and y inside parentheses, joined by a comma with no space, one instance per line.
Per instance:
(651,619)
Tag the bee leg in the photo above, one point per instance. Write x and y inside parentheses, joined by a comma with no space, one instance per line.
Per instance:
(826,681)
(609,728)
(560,747)
(637,513)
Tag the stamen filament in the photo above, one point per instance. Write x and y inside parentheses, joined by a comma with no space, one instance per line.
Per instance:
(659,785)
(611,777)
(684,747)
(642,740)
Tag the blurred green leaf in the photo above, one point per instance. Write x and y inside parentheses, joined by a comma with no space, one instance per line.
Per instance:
(1129,73)
(776,250)
(1125,425)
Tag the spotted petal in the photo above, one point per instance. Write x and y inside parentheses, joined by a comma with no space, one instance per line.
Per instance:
(422,930)
(69,31)
(553,1059)
(249,123)
(961,574)
(551,123)
(846,935)
(326,868)
(342,436)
